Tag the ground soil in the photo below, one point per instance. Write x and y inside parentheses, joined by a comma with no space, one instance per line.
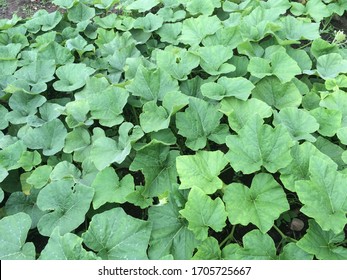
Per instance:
(24,8)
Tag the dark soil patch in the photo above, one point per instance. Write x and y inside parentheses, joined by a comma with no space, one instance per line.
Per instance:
(24,8)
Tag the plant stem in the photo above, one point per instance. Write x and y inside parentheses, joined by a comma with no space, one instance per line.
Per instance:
(283,235)
(229,237)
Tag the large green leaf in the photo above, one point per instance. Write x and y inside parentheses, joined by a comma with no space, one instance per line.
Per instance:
(293,252)
(256,246)
(72,76)
(107,106)
(330,65)
(19,202)
(206,7)
(106,150)
(170,234)
(108,188)
(324,196)
(277,94)
(208,250)
(213,59)
(261,204)
(201,170)
(115,235)
(13,233)
(299,123)
(152,84)
(323,244)
(198,123)
(239,87)
(257,145)
(279,64)
(178,62)
(65,247)
(203,213)
(49,137)
(239,112)
(298,169)
(67,203)
(157,164)
(194,30)
(8,60)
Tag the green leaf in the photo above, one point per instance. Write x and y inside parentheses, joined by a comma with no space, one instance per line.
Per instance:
(29,159)
(256,246)
(207,7)
(10,155)
(169,32)
(170,234)
(67,4)
(298,169)
(213,59)
(239,112)
(198,122)
(293,252)
(329,120)
(76,140)
(323,244)
(157,164)
(261,204)
(72,76)
(331,65)
(152,84)
(40,176)
(68,205)
(107,106)
(19,202)
(277,94)
(257,145)
(13,233)
(324,196)
(177,62)
(49,137)
(142,5)
(109,189)
(8,58)
(298,29)
(317,10)
(299,123)
(194,30)
(114,235)
(282,66)
(106,151)
(203,213)
(1,195)
(342,135)
(208,250)
(3,121)
(38,72)
(23,105)
(239,87)
(336,101)
(80,12)
(65,247)
(201,170)
(149,22)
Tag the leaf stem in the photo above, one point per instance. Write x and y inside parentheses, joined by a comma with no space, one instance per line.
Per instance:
(229,237)
(285,237)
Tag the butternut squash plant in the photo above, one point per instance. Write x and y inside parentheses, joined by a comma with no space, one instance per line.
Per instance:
(174,129)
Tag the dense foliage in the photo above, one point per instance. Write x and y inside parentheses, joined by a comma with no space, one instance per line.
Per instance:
(174,129)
